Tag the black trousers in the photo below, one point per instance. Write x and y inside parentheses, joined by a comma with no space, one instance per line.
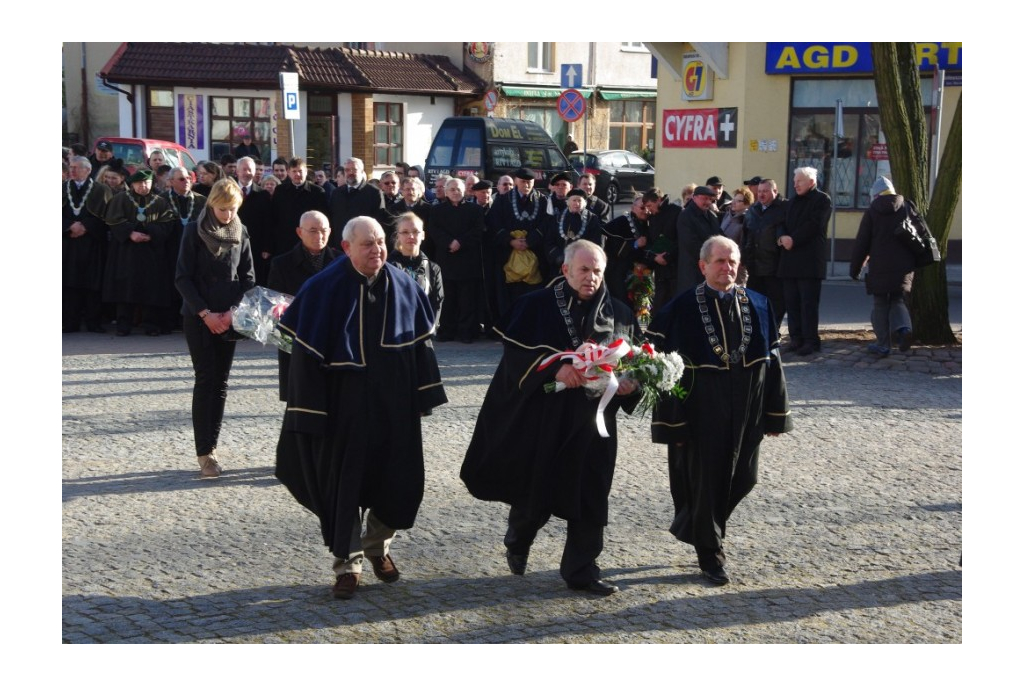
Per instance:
(803,296)
(584,542)
(79,303)
(460,315)
(771,287)
(211,360)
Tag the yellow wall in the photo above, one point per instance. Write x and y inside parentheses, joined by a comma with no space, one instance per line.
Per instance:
(763,112)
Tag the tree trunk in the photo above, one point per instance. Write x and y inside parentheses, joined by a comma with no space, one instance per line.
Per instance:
(901,111)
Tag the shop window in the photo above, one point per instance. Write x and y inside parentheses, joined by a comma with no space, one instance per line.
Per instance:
(230,117)
(847,164)
(631,125)
(387,134)
(540,56)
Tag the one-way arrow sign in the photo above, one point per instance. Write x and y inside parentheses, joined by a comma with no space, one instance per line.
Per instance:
(572,75)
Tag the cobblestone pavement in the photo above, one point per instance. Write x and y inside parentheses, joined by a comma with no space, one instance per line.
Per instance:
(852,536)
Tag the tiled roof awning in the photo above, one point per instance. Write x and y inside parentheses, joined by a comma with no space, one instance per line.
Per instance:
(230,65)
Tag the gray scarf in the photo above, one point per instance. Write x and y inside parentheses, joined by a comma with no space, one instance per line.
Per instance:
(218,239)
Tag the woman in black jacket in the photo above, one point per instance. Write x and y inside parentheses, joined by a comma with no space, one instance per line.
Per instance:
(214,270)
(890,266)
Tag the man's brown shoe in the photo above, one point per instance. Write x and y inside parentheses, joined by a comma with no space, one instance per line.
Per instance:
(384,568)
(346,586)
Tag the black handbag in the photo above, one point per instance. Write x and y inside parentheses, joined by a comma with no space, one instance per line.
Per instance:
(913,233)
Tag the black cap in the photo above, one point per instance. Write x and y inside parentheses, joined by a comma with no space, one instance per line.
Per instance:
(704,190)
(105,146)
(577,192)
(560,176)
(753,182)
(524,174)
(483,185)
(713,181)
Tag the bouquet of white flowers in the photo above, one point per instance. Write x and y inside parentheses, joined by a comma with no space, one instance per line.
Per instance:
(258,314)
(657,373)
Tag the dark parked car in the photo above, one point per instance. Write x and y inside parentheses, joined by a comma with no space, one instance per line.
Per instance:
(618,173)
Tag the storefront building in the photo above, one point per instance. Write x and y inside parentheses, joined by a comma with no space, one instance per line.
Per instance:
(382,107)
(739,110)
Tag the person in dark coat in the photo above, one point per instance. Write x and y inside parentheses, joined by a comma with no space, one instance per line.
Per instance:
(102,156)
(662,249)
(357,198)
(246,148)
(518,226)
(573,222)
(214,272)
(458,229)
(888,264)
(588,184)
(412,201)
(257,215)
(293,198)
(289,271)
(803,260)
(696,223)
(541,452)
(765,223)
(737,395)
(83,248)
(625,240)
(407,255)
(362,374)
(135,278)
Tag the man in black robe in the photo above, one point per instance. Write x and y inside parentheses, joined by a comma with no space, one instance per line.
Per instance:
(541,452)
(362,373)
(662,251)
(356,197)
(458,228)
(517,223)
(84,247)
(728,337)
(135,278)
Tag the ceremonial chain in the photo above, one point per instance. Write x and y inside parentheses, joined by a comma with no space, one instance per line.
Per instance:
(521,217)
(563,307)
(632,226)
(744,304)
(141,214)
(78,210)
(567,237)
(177,212)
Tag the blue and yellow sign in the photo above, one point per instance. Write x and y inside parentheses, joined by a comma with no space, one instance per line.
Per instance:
(851,58)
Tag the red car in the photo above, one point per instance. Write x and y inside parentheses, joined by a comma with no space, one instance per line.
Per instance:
(135,151)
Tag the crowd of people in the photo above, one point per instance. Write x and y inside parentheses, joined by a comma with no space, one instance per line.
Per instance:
(381,269)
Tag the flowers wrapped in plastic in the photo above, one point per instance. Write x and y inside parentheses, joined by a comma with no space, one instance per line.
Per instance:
(640,292)
(258,314)
(656,373)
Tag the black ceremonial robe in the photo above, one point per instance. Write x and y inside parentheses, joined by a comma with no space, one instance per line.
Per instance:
(83,257)
(137,273)
(729,409)
(538,450)
(362,372)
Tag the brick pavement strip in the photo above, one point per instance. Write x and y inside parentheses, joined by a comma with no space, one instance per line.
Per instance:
(852,536)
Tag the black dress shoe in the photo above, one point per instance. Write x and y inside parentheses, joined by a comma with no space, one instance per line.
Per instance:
(806,350)
(516,563)
(717,576)
(596,587)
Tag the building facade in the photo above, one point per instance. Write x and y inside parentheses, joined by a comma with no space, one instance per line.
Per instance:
(739,110)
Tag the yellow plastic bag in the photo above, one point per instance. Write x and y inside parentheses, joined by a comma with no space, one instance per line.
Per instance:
(522,266)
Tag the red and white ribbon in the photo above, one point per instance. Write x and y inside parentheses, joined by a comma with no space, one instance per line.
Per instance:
(594,361)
